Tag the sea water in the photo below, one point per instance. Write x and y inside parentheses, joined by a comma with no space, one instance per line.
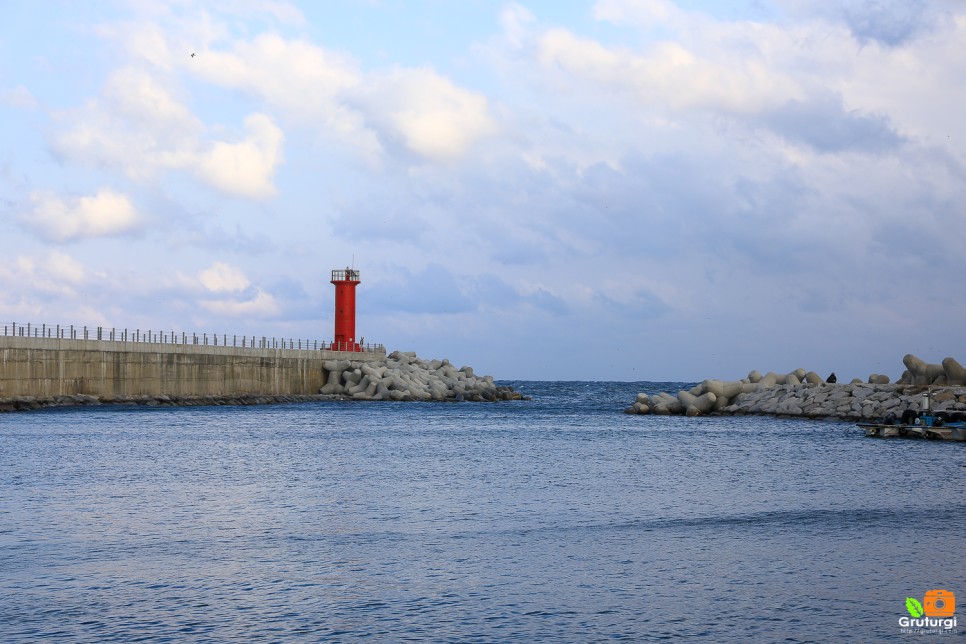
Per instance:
(554,519)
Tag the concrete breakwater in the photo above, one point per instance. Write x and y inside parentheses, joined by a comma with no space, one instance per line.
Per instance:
(404,376)
(41,372)
(50,367)
(801,393)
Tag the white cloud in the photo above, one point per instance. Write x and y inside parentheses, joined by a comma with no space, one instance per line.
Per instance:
(54,274)
(228,292)
(104,214)
(63,267)
(670,74)
(19,96)
(262,305)
(304,81)
(221,277)
(429,113)
(248,167)
(135,126)
(138,127)
(517,22)
(641,12)
(143,101)
(293,74)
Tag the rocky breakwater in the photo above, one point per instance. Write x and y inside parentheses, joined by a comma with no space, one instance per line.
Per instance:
(805,393)
(404,376)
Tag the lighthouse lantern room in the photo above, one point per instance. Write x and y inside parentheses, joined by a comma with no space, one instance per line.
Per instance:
(345,309)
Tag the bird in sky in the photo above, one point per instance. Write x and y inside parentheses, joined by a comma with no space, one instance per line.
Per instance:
(192,54)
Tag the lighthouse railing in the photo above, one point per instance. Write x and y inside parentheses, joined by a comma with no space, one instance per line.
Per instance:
(347,275)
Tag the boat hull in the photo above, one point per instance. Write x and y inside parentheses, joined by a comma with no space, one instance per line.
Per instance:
(950,432)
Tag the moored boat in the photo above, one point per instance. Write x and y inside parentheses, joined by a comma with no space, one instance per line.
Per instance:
(940,425)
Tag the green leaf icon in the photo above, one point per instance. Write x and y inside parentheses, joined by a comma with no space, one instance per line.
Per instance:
(913,606)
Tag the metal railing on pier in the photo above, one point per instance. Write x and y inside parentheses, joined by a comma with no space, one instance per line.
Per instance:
(112,334)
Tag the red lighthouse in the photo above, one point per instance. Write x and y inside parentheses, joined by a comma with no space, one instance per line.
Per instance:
(345,310)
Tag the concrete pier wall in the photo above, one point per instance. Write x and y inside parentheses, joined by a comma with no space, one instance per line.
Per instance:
(45,367)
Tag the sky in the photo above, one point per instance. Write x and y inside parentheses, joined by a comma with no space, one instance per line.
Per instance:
(611,190)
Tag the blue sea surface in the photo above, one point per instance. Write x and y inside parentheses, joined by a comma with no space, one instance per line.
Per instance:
(554,519)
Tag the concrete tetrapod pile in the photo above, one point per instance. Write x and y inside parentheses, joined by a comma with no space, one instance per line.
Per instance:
(805,393)
(406,377)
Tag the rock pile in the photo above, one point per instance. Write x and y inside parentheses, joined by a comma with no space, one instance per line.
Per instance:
(918,372)
(406,377)
(801,393)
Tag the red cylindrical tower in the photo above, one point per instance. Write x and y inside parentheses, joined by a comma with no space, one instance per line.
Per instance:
(345,310)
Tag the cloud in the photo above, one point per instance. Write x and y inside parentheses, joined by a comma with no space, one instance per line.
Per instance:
(20,97)
(434,289)
(261,305)
(517,22)
(246,168)
(303,81)
(105,214)
(221,278)
(135,126)
(26,279)
(428,113)
(416,109)
(641,12)
(825,125)
(139,128)
(888,22)
(235,295)
(670,74)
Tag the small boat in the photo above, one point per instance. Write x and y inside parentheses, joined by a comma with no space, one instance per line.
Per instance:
(940,425)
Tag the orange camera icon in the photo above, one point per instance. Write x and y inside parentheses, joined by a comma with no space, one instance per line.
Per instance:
(939,603)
